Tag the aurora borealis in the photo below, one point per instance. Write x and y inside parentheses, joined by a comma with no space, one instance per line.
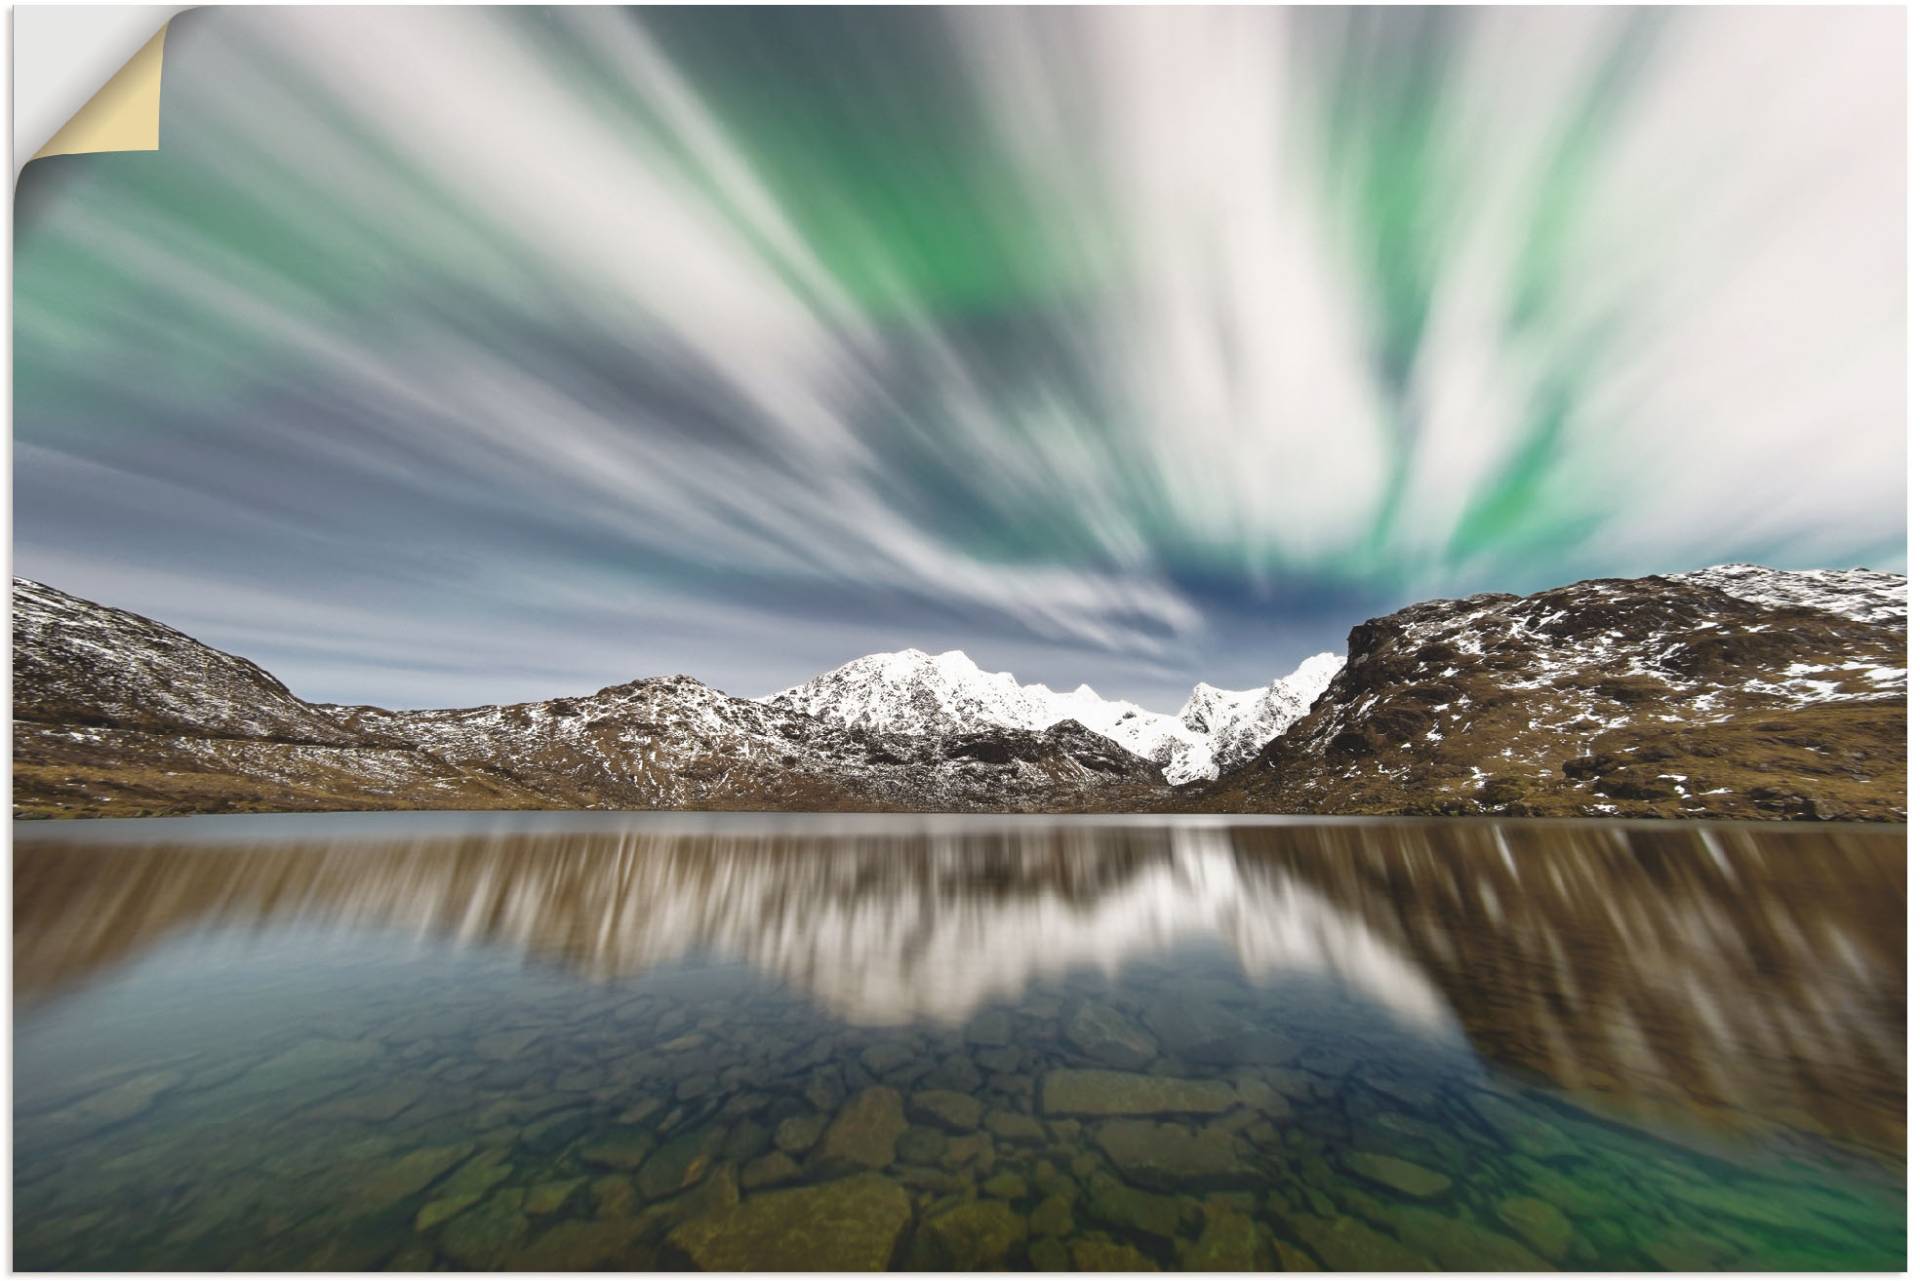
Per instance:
(448,355)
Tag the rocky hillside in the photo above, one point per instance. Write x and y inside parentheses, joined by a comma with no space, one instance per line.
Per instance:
(118,715)
(1731,692)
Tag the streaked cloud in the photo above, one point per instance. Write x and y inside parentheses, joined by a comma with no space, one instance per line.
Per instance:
(462,354)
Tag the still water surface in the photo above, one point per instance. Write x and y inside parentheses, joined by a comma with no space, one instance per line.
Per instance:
(560,1042)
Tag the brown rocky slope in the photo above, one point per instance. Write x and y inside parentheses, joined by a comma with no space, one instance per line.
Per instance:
(116,715)
(1732,692)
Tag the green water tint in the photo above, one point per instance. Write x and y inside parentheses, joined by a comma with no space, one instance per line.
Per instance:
(335,1057)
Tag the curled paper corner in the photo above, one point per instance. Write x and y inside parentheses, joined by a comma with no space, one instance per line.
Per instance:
(124,115)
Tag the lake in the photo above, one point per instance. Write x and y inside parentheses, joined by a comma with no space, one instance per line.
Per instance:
(559,1042)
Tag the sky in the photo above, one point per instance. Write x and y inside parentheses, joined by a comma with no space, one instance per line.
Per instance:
(445,356)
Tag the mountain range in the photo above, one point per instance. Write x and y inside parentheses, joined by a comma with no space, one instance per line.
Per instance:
(1733,692)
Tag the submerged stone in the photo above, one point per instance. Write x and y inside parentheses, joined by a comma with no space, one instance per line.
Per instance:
(1229,1242)
(550,1134)
(974,1149)
(774,1167)
(849,1225)
(1092,1254)
(117,1103)
(679,1163)
(582,1245)
(1402,1176)
(1521,1129)
(973,1237)
(1462,1244)
(1096,1092)
(503,1046)
(1015,1127)
(380,1104)
(920,1145)
(1166,1155)
(1048,1255)
(614,1196)
(1104,1034)
(885,1057)
(1348,1245)
(1008,1185)
(991,1027)
(479,1174)
(1539,1224)
(1053,1217)
(546,1198)
(865,1131)
(484,1237)
(798,1133)
(950,1108)
(1131,1210)
(400,1179)
(439,1211)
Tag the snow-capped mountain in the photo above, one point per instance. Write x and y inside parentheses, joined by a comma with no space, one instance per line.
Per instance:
(1734,692)
(913,692)
(1233,725)
(115,714)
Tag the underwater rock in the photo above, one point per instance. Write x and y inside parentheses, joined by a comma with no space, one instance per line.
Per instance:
(1104,1034)
(117,1103)
(436,1212)
(1462,1244)
(380,1104)
(1049,1255)
(1015,1127)
(972,1237)
(502,1046)
(552,1133)
(865,1131)
(1539,1224)
(398,1180)
(774,1167)
(970,1149)
(678,1163)
(798,1133)
(1007,1185)
(1000,1062)
(1131,1210)
(1348,1245)
(483,1237)
(885,1057)
(1522,1129)
(582,1245)
(991,1027)
(1096,1092)
(1402,1176)
(614,1196)
(956,1111)
(1229,1242)
(1166,1155)
(849,1225)
(548,1198)
(921,1145)
(747,1138)
(1092,1254)
(1053,1217)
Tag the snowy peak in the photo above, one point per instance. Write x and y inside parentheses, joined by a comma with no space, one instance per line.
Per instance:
(912,692)
(1229,727)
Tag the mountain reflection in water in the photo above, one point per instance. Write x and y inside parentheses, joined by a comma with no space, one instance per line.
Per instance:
(1741,976)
